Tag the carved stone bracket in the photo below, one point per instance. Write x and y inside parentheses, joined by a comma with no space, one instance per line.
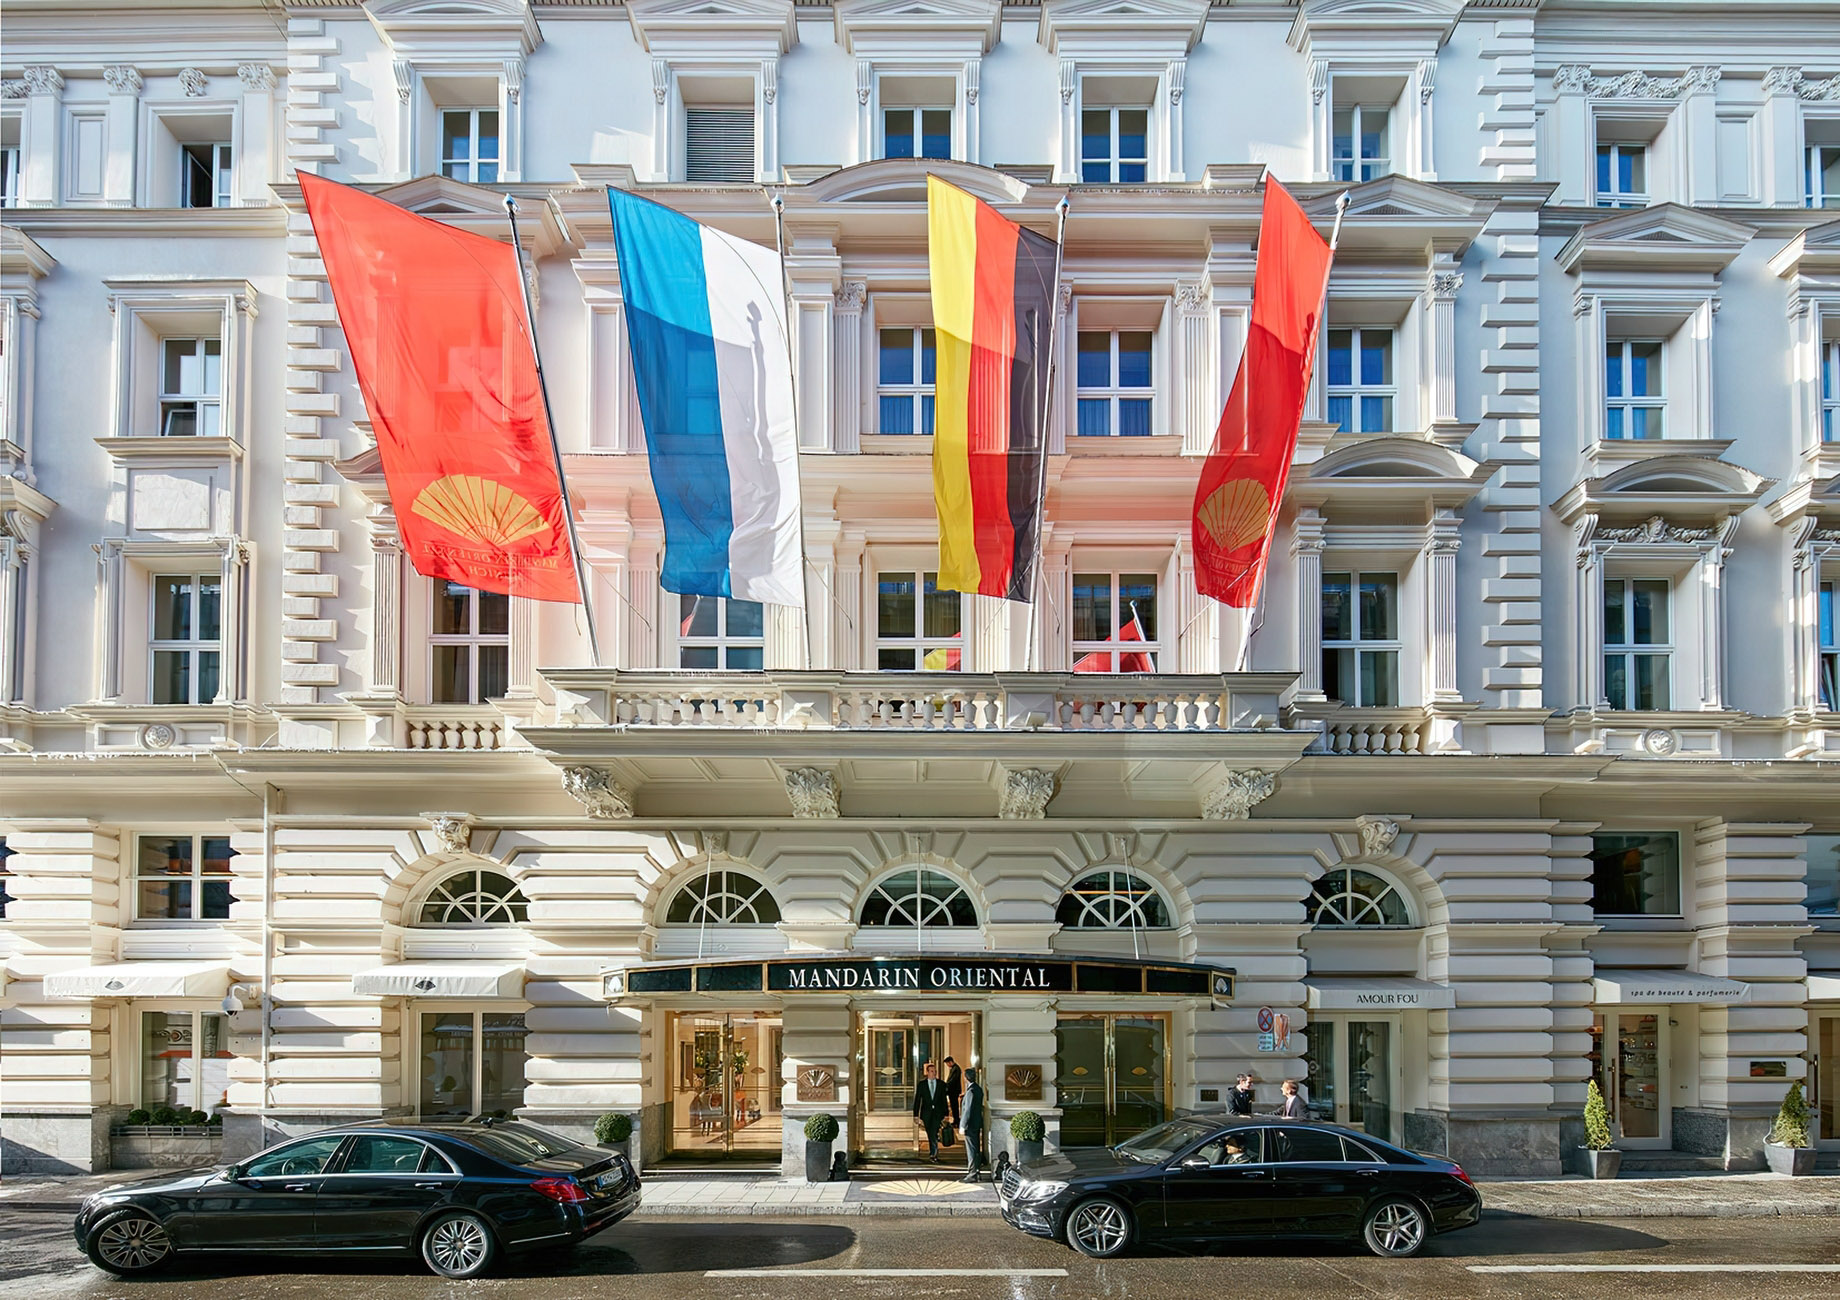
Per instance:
(42,80)
(851,295)
(1026,791)
(1377,834)
(452,831)
(1233,799)
(193,80)
(255,76)
(122,79)
(813,792)
(599,793)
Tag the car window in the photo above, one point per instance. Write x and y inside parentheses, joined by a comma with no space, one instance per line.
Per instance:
(1158,1144)
(433,1162)
(378,1153)
(517,1143)
(1360,1153)
(1244,1146)
(296,1158)
(1297,1145)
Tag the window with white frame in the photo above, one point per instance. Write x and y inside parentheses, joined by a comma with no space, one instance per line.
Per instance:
(1114,623)
(1114,145)
(472,1063)
(1622,175)
(1358,145)
(1638,645)
(1636,874)
(1113,380)
(911,132)
(905,360)
(718,144)
(1830,390)
(1344,898)
(475,896)
(1360,638)
(185,652)
(470,645)
(1822,186)
(185,1065)
(917,626)
(1112,900)
(717,633)
(1359,378)
(9,176)
(1823,877)
(191,387)
(1635,403)
(182,877)
(1828,623)
(470,144)
(723,898)
(204,176)
(918,898)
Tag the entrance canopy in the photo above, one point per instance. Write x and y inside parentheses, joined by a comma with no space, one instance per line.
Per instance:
(452,979)
(1823,988)
(142,979)
(1619,987)
(935,973)
(1378,993)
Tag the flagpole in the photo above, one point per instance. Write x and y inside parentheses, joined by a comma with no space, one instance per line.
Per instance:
(555,442)
(785,289)
(1041,437)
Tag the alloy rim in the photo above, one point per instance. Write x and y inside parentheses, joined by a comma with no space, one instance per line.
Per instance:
(134,1244)
(1398,1229)
(1099,1227)
(457,1245)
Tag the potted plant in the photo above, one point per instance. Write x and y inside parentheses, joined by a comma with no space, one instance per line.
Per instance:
(1788,1149)
(613,1130)
(1604,1159)
(820,1132)
(1030,1133)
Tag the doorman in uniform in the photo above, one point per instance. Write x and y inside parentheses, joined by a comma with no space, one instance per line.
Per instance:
(955,1087)
(931,1106)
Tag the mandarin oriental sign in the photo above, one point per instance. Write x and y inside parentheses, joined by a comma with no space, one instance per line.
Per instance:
(921,975)
(971,973)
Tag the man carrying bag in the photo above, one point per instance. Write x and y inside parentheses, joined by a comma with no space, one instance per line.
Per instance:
(931,1105)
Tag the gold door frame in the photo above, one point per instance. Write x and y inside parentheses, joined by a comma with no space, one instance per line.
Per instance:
(861,1090)
(1110,1020)
(732,1090)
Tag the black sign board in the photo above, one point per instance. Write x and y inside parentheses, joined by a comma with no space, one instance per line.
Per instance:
(976,973)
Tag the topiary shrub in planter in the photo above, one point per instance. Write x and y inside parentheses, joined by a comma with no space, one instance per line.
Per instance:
(1030,1135)
(1788,1150)
(1600,1154)
(165,1115)
(613,1130)
(820,1132)
(139,1116)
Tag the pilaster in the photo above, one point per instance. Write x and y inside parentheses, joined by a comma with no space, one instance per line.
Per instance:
(847,398)
(42,146)
(124,85)
(1307,551)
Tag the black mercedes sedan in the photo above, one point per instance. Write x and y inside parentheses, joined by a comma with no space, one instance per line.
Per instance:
(1208,1177)
(457,1193)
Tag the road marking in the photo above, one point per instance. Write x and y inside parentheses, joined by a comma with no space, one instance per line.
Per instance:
(886,1272)
(1654,1268)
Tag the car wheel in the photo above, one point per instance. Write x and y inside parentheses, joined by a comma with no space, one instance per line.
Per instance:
(1397,1229)
(458,1245)
(128,1242)
(1099,1228)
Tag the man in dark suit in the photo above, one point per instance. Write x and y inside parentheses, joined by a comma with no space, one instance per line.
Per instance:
(973,1126)
(955,1087)
(931,1106)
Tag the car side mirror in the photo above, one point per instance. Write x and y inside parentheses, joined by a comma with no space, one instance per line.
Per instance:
(1197,1162)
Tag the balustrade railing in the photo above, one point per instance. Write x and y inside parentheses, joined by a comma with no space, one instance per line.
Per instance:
(458,726)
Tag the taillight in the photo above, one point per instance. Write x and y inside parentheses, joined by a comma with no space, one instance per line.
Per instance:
(1457,1171)
(565,1191)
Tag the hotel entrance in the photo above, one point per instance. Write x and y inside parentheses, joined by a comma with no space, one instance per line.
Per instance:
(1111,1074)
(725,1084)
(892,1051)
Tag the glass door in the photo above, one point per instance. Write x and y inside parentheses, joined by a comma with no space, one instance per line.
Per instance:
(1348,1078)
(1825,1074)
(1319,1064)
(892,1055)
(1111,1076)
(1628,1058)
(725,1083)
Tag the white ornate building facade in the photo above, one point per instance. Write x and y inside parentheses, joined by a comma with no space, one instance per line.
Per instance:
(1533,776)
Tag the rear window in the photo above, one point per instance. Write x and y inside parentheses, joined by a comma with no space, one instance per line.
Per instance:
(1300,1145)
(519,1144)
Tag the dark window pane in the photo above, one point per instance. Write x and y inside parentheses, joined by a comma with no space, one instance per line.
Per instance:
(452,674)
(1823,853)
(746,658)
(1651,611)
(898,133)
(1134,359)
(1092,607)
(172,609)
(895,605)
(1603,169)
(452,609)
(1379,679)
(936,133)
(1613,368)
(942,611)
(1376,356)
(1096,173)
(456,135)
(1132,173)
(1379,607)
(216,901)
(1300,1145)
(1134,417)
(1376,415)
(697,616)
(1337,612)
(1095,417)
(697,656)
(1341,356)
(1096,135)
(1341,413)
(1338,675)
(494,613)
(1613,613)
(1137,593)
(745,617)
(1133,133)
(896,415)
(207,677)
(210,608)
(378,1154)
(1651,684)
(894,660)
(1616,680)
(1095,359)
(217,855)
(172,677)
(927,355)
(1636,874)
(494,672)
(165,900)
(897,356)
(926,415)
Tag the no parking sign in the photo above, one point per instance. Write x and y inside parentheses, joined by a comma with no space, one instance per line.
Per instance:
(1265,1020)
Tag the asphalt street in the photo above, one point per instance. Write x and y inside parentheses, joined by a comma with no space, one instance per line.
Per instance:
(982,1259)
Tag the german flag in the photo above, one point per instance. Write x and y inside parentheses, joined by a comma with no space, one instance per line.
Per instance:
(993,299)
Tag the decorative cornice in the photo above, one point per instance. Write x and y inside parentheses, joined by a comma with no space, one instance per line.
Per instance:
(1443,284)
(1026,792)
(1822,91)
(1655,529)
(599,793)
(1233,799)
(194,82)
(122,79)
(1782,81)
(1191,297)
(813,792)
(1636,85)
(42,80)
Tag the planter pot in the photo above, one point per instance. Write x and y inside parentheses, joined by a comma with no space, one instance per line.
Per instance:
(1603,1164)
(158,1147)
(1027,1151)
(1789,1160)
(817,1161)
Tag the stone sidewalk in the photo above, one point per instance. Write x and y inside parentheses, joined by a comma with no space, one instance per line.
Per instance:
(925,1195)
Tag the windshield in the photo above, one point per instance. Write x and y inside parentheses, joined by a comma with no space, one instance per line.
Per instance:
(519,1143)
(1163,1141)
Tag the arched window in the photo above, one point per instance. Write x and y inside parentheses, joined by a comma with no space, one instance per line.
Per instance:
(1347,897)
(722,898)
(476,898)
(918,899)
(1112,900)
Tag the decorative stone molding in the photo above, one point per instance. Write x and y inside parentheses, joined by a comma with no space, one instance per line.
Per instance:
(14,90)
(1636,85)
(1655,529)
(715,842)
(1026,792)
(122,79)
(971,81)
(1233,799)
(1121,846)
(1191,297)
(452,831)
(42,80)
(1822,91)
(193,80)
(1319,80)
(1377,835)
(1444,284)
(1571,76)
(403,73)
(769,80)
(255,76)
(158,735)
(599,793)
(813,792)
(1783,81)
(851,295)
(918,844)
(1070,72)
(865,81)
(1427,79)
(514,79)
(1178,71)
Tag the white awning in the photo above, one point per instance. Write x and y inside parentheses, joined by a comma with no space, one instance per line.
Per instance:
(1620,987)
(1377,993)
(447,979)
(1824,988)
(142,979)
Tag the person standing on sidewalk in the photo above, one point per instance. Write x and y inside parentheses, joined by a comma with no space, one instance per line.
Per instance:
(971,1124)
(931,1106)
(955,1087)
(1293,1106)
(1239,1096)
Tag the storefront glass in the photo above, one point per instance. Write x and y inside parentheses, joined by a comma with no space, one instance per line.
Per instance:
(1628,1071)
(725,1087)
(893,1051)
(1827,1077)
(472,1063)
(1349,1080)
(1111,1076)
(185,1064)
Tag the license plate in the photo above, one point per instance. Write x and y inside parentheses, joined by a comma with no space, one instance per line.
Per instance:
(613,1179)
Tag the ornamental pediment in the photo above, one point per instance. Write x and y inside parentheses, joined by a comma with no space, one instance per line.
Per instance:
(903,180)
(1815,251)
(1122,29)
(745,28)
(1665,236)
(905,27)
(505,28)
(1685,489)
(475,210)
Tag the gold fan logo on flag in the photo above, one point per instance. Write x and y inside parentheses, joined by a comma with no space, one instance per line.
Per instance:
(1236,512)
(479,508)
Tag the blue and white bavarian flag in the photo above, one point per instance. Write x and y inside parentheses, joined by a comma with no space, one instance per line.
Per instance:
(706,318)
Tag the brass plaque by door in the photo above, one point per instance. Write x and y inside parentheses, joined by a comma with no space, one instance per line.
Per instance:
(1022,1083)
(817,1083)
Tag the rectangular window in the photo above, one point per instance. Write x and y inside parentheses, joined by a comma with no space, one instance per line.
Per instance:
(469,144)
(6,875)
(1113,377)
(1827,600)
(1360,380)
(1634,400)
(916,132)
(1114,145)
(9,176)
(1638,649)
(719,145)
(182,877)
(904,380)
(714,633)
(917,626)
(1622,176)
(1636,875)
(1830,391)
(1114,623)
(1360,639)
(1358,146)
(1823,854)
(185,1061)
(204,175)
(191,387)
(1823,187)
(470,645)
(186,649)
(472,1063)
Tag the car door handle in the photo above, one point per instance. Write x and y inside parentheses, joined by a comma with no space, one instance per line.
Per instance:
(1367,1173)
(1252,1173)
(297,1187)
(430,1187)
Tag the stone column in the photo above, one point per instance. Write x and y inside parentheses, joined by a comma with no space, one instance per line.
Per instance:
(1440,299)
(972,144)
(108,623)
(1067,171)
(1441,630)
(767,110)
(1700,124)
(846,597)
(41,143)
(1589,616)
(1307,552)
(1781,143)
(1570,136)
(865,110)
(1321,120)
(1200,408)
(1710,574)
(1173,77)
(124,85)
(847,377)
(511,121)
(817,1038)
(661,120)
(1424,154)
(255,160)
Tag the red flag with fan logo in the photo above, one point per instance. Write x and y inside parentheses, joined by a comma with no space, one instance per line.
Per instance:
(1242,483)
(434,319)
